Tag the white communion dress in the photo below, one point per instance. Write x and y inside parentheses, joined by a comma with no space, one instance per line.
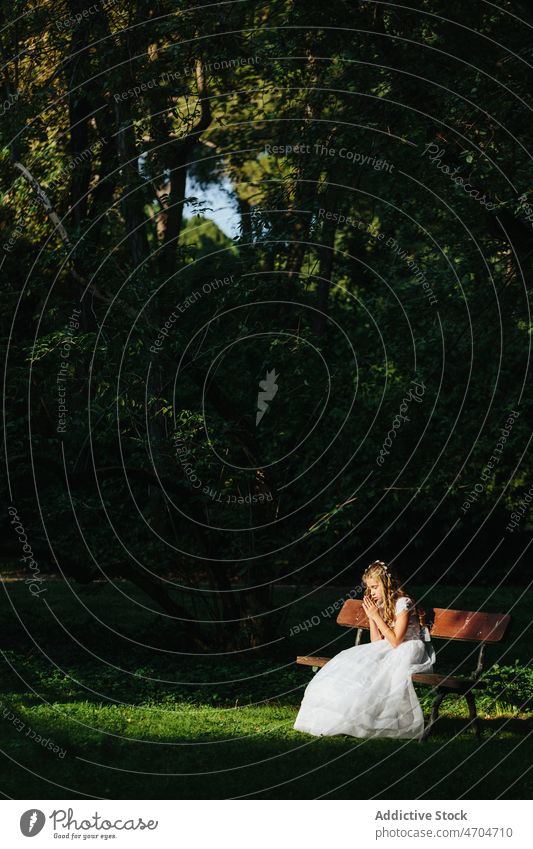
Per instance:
(366,691)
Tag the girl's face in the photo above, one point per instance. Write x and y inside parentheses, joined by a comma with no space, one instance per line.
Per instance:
(375,589)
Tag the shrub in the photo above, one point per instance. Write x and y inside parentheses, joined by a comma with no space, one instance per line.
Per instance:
(509,686)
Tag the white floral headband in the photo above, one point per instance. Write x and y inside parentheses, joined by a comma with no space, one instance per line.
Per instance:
(383,566)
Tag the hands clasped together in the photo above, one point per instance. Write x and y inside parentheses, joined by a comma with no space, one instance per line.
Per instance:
(371,609)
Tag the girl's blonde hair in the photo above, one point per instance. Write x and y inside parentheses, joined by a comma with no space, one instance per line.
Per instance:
(392,590)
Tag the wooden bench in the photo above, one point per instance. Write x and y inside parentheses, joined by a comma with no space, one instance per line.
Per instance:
(463,625)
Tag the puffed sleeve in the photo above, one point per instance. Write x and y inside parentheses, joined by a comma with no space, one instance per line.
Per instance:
(403,603)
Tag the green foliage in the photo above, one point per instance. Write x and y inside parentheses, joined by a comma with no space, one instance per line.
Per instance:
(509,686)
(257,99)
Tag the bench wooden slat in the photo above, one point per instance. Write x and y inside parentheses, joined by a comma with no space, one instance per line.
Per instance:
(474,626)
(308,660)
(449,681)
(471,626)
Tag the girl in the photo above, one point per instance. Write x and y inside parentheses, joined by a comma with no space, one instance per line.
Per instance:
(366,691)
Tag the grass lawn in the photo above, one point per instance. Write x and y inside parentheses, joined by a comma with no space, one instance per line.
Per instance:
(132,721)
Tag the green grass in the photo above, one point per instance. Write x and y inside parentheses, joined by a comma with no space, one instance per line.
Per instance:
(187,751)
(174,726)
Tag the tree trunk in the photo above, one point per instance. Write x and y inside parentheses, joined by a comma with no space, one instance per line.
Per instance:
(325,271)
(78,76)
(133,189)
(179,153)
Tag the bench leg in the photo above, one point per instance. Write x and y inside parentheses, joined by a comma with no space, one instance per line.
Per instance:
(473,718)
(434,715)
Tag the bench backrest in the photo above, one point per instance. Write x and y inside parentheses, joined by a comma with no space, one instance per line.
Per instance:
(446,624)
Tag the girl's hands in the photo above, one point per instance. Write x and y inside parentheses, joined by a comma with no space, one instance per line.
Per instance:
(370,609)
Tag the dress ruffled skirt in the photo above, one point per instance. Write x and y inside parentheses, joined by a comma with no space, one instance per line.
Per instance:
(367,691)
